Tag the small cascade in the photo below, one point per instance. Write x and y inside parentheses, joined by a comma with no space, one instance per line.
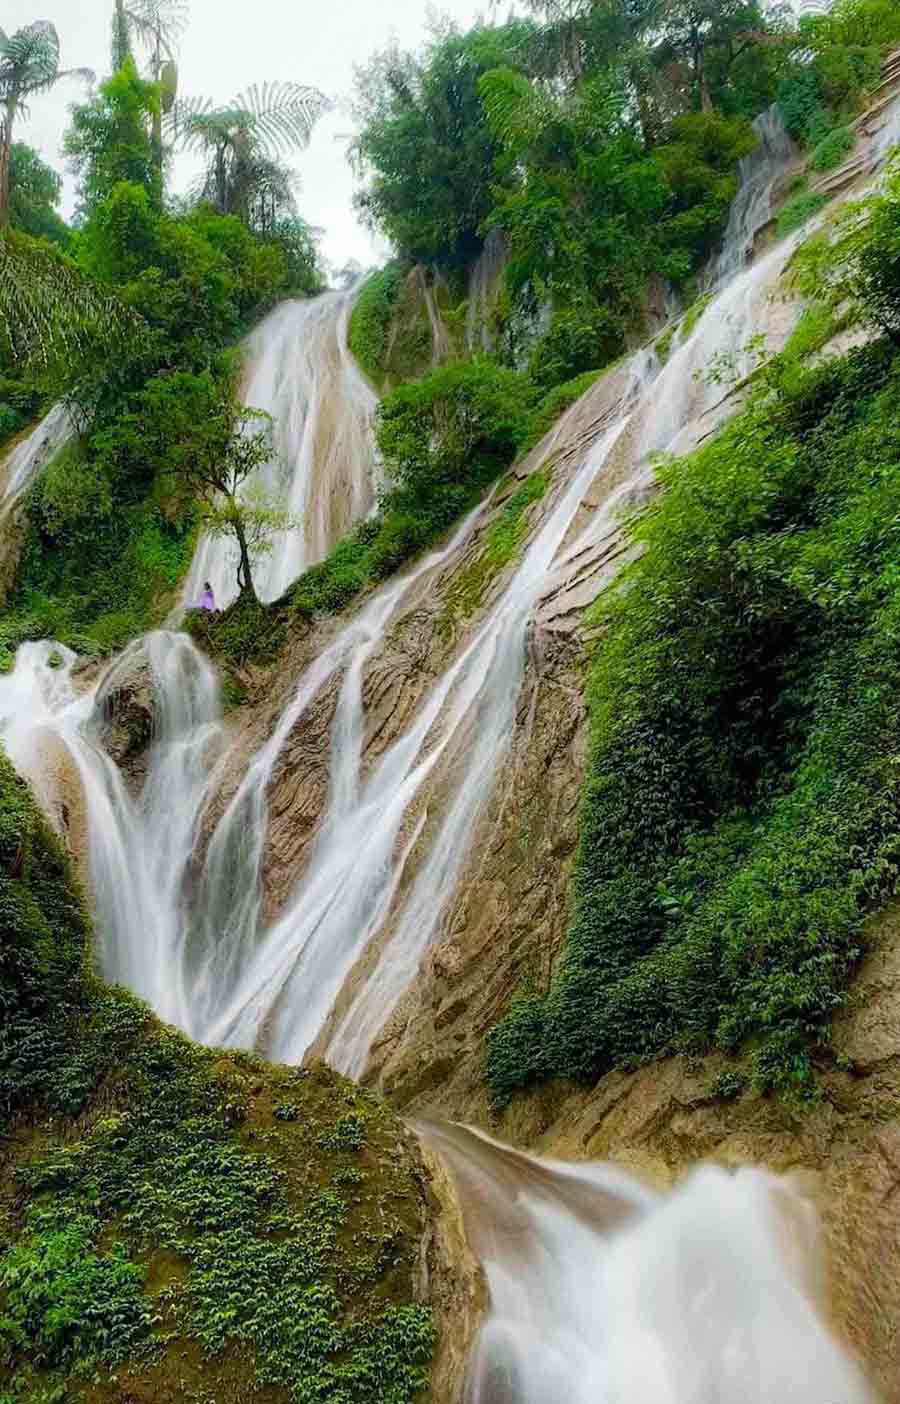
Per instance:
(751,209)
(483,280)
(602,1292)
(139,846)
(20,468)
(324,467)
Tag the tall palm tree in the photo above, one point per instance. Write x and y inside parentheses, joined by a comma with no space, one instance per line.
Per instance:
(157,25)
(260,123)
(29,64)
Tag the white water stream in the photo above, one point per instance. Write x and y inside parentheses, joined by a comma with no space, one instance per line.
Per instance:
(603,1292)
(600,1294)
(22,465)
(390,849)
(324,468)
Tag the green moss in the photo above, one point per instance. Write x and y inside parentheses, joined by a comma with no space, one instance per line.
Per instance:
(663,344)
(501,545)
(740,813)
(246,632)
(816,326)
(693,315)
(167,1232)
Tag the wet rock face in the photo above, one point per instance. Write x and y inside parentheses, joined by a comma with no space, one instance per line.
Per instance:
(123,714)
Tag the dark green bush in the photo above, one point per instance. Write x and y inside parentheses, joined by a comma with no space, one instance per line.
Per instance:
(832,149)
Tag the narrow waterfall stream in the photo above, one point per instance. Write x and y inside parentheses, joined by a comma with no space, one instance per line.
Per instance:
(601,1292)
(324,470)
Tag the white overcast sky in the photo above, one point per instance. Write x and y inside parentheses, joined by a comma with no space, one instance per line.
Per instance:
(232,43)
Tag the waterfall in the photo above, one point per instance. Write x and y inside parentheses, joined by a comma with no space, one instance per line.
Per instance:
(483,280)
(278,987)
(751,209)
(20,467)
(602,1292)
(324,467)
(139,846)
(394,840)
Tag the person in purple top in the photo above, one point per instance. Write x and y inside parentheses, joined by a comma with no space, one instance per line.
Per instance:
(208,599)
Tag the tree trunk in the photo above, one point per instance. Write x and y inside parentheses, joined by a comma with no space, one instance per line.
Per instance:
(6,131)
(157,139)
(221,181)
(700,76)
(245,573)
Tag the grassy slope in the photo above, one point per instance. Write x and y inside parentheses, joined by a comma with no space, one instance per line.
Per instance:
(181,1223)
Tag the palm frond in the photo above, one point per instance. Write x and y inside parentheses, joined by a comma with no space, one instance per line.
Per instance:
(50,311)
(284,114)
(29,58)
(516,110)
(162,21)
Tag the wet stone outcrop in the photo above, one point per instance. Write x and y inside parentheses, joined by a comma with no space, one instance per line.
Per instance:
(123,715)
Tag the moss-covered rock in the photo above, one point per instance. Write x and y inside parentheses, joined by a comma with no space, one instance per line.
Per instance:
(180,1223)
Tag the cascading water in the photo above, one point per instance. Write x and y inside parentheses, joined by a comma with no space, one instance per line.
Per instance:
(751,209)
(389,852)
(600,1292)
(26,460)
(139,847)
(605,1293)
(324,467)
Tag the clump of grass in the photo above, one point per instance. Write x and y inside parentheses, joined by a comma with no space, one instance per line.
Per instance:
(798,210)
(832,149)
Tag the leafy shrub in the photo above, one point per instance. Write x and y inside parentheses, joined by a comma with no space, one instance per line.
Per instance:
(457,427)
(832,149)
(68,1306)
(797,211)
(740,814)
(370,320)
(578,341)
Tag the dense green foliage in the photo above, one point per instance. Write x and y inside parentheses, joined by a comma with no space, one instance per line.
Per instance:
(34,193)
(370,322)
(592,143)
(180,1223)
(834,63)
(741,811)
(428,145)
(109,533)
(136,330)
